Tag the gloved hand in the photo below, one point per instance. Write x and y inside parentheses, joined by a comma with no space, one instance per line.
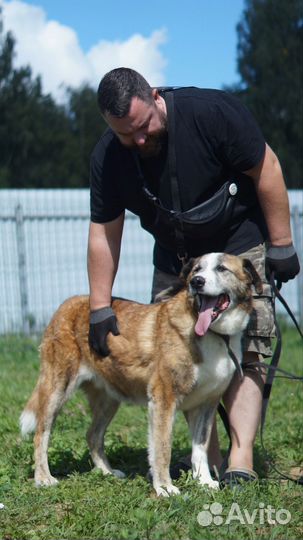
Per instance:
(283,262)
(102,321)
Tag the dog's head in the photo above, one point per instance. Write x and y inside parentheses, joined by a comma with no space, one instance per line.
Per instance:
(219,286)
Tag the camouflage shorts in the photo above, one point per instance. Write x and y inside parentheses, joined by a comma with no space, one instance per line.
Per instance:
(261,327)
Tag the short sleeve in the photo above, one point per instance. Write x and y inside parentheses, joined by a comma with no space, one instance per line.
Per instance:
(105,201)
(237,134)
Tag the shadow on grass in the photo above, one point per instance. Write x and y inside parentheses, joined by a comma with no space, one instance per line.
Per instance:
(132,461)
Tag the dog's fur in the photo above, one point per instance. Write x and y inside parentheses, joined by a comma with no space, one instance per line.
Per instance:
(157,359)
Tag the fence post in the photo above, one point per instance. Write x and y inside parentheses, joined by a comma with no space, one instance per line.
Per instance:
(22,268)
(298,240)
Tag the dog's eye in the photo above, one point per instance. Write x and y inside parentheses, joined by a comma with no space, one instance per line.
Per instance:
(221,268)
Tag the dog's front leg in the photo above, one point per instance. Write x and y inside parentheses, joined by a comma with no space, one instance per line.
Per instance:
(161,407)
(200,421)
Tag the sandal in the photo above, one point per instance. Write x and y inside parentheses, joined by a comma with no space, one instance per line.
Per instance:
(235,478)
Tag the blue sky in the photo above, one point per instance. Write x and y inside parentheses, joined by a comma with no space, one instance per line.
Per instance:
(188,42)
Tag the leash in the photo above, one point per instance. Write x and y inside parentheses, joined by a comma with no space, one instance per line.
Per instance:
(272,369)
(233,356)
(271,374)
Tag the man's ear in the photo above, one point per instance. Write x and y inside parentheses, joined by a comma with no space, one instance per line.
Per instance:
(187,268)
(249,269)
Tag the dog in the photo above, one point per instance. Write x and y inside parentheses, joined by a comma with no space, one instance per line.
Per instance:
(169,355)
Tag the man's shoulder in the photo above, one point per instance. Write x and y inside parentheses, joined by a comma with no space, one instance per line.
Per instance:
(108,146)
(106,140)
(207,96)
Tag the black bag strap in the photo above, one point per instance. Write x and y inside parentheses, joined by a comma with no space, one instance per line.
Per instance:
(172,168)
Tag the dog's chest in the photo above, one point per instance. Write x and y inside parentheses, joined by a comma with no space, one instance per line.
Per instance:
(215,371)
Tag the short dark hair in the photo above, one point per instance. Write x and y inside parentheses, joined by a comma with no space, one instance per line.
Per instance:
(118,87)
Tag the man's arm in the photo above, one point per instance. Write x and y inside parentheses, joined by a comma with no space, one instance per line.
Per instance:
(281,259)
(103,258)
(273,198)
(104,244)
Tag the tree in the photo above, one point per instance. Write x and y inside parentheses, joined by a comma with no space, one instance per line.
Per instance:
(86,124)
(43,144)
(270,39)
(33,127)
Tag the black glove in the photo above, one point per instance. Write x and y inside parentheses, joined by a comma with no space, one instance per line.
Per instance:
(102,321)
(283,262)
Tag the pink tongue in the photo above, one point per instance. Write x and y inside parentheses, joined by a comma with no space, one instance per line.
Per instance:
(204,318)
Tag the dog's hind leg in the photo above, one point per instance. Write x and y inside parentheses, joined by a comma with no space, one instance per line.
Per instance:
(50,402)
(161,407)
(52,391)
(104,408)
(200,421)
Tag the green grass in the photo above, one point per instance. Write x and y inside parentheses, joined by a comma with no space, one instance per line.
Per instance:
(86,505)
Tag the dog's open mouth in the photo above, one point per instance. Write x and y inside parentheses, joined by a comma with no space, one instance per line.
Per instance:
(210,308)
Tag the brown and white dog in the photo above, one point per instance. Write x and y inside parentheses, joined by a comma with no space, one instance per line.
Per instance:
(169,355)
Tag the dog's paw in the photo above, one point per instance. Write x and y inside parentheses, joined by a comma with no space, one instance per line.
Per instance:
(166,491)
(118,473)
(213,484)
(45,481)
(172,490)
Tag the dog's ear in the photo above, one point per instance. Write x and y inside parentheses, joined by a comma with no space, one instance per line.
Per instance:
(249,268)
(186,269)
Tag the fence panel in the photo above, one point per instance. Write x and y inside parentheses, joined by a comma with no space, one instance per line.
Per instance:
(43,243)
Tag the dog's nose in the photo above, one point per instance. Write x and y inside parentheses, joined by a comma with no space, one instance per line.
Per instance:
(197,283)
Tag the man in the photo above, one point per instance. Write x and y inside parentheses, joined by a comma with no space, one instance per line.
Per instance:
(215,139)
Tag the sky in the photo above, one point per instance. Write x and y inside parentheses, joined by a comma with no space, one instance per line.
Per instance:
(171,42)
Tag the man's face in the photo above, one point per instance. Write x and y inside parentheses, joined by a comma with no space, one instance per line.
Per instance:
(144,127)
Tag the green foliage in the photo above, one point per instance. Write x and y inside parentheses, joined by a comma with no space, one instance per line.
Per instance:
(87,505)
(42,143)
(270,37)
(86,125)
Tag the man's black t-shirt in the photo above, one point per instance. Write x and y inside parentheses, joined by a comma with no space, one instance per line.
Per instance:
(216,139)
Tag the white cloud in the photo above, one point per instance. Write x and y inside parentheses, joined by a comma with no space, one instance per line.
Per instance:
(54,52)
(137,52)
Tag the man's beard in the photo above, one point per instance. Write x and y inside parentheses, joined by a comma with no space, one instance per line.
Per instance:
(153,144)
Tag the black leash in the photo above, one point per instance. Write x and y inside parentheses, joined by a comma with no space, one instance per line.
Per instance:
(272,368)
(231,353)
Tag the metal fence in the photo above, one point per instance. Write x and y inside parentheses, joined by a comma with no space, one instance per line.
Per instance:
(43,243)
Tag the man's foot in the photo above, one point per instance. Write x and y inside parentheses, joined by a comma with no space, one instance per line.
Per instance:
(235,478)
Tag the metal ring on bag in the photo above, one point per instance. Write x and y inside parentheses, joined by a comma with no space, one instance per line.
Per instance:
(233,189)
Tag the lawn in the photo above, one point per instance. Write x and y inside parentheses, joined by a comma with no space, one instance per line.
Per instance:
(87,505)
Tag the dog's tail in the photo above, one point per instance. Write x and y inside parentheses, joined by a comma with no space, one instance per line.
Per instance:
(28,418)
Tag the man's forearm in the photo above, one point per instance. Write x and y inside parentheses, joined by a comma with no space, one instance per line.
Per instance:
(273,198)
(101,271)
(103,258)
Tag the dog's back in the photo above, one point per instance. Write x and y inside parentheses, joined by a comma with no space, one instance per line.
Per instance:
(146,337)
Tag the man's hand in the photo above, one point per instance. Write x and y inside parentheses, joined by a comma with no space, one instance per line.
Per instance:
(283,262)
(102,321)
